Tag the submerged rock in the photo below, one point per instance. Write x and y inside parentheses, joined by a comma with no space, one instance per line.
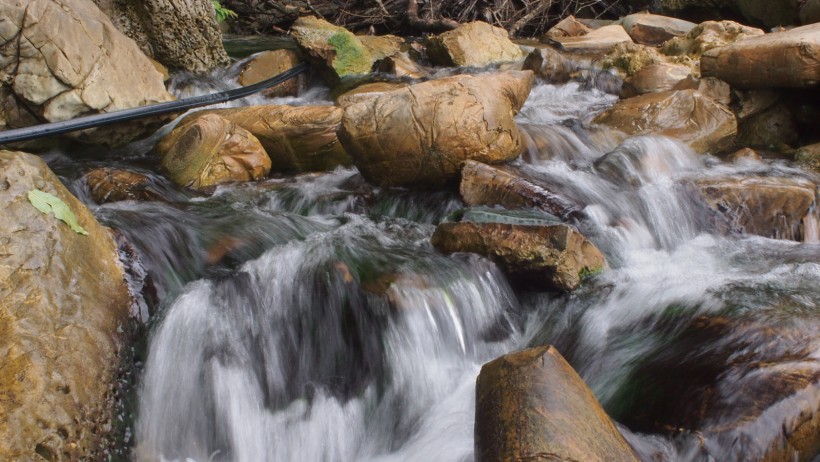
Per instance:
(552,257)
(780,59)
(296,138)
(744,389)
(205,150)
(419,135)
(766,206)
(476,44)
(63,304)
(268,64)
(64,58)
(531,405)
(685,115)
(112,185)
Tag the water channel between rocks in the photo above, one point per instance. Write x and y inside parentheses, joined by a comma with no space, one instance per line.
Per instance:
(309,318)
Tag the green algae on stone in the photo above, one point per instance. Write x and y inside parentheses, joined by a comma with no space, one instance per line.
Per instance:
(351,56)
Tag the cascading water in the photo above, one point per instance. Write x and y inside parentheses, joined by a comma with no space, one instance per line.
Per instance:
(309,318)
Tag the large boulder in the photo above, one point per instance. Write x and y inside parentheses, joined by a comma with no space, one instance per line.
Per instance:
(63,304)
(486,185)
(62,59)
(531,405)
(780,59)
(181,34)
(267,64)
(476,44)
(337,50)
(685,115)
(554,257)
(205,150)
(773,207)
(653,29)
(420,135)
(296,138)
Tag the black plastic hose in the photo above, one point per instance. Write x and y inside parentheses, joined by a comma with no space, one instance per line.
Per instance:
(108,118)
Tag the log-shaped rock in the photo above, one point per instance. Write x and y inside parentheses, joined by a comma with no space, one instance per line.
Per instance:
(205,150)
(531,405)
(63,304)
(780,59)
(420,135)
(483,184)
(686,115)
(552,257)
(296,138)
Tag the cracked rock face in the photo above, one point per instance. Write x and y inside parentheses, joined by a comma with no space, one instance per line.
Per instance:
(64,58)
(420,135)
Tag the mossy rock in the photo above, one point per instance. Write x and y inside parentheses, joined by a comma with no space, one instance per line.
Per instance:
(335,47)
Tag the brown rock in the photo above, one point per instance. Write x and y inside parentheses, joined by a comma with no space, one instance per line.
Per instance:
(531,405)
(65,58)
(685,115)
(205,150)
(656,78)
(550,65)
(553,257)
(296,138)
(568,27)
(746,388)
(766,206)
(267,64)
(381,46)
(475,44)
(63,298)
(419,135)
(112,185)
(599,40)
(773,128)
(748,103)
(809,157)
(709,35)
(483,184)
(744,154)
(780,59)
(716,89)
(629,58)
(401,65)
(367,91)
(653,29)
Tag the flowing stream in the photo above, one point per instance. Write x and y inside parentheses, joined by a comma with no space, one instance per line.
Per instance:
(308,318)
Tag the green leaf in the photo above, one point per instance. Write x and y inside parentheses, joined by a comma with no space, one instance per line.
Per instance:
(46,203)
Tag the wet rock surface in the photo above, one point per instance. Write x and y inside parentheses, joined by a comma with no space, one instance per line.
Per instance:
(268,64)
(63,303)
(206,150)
(476,44)
(686,115)
(531,405)
(419,135)
(553,257)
